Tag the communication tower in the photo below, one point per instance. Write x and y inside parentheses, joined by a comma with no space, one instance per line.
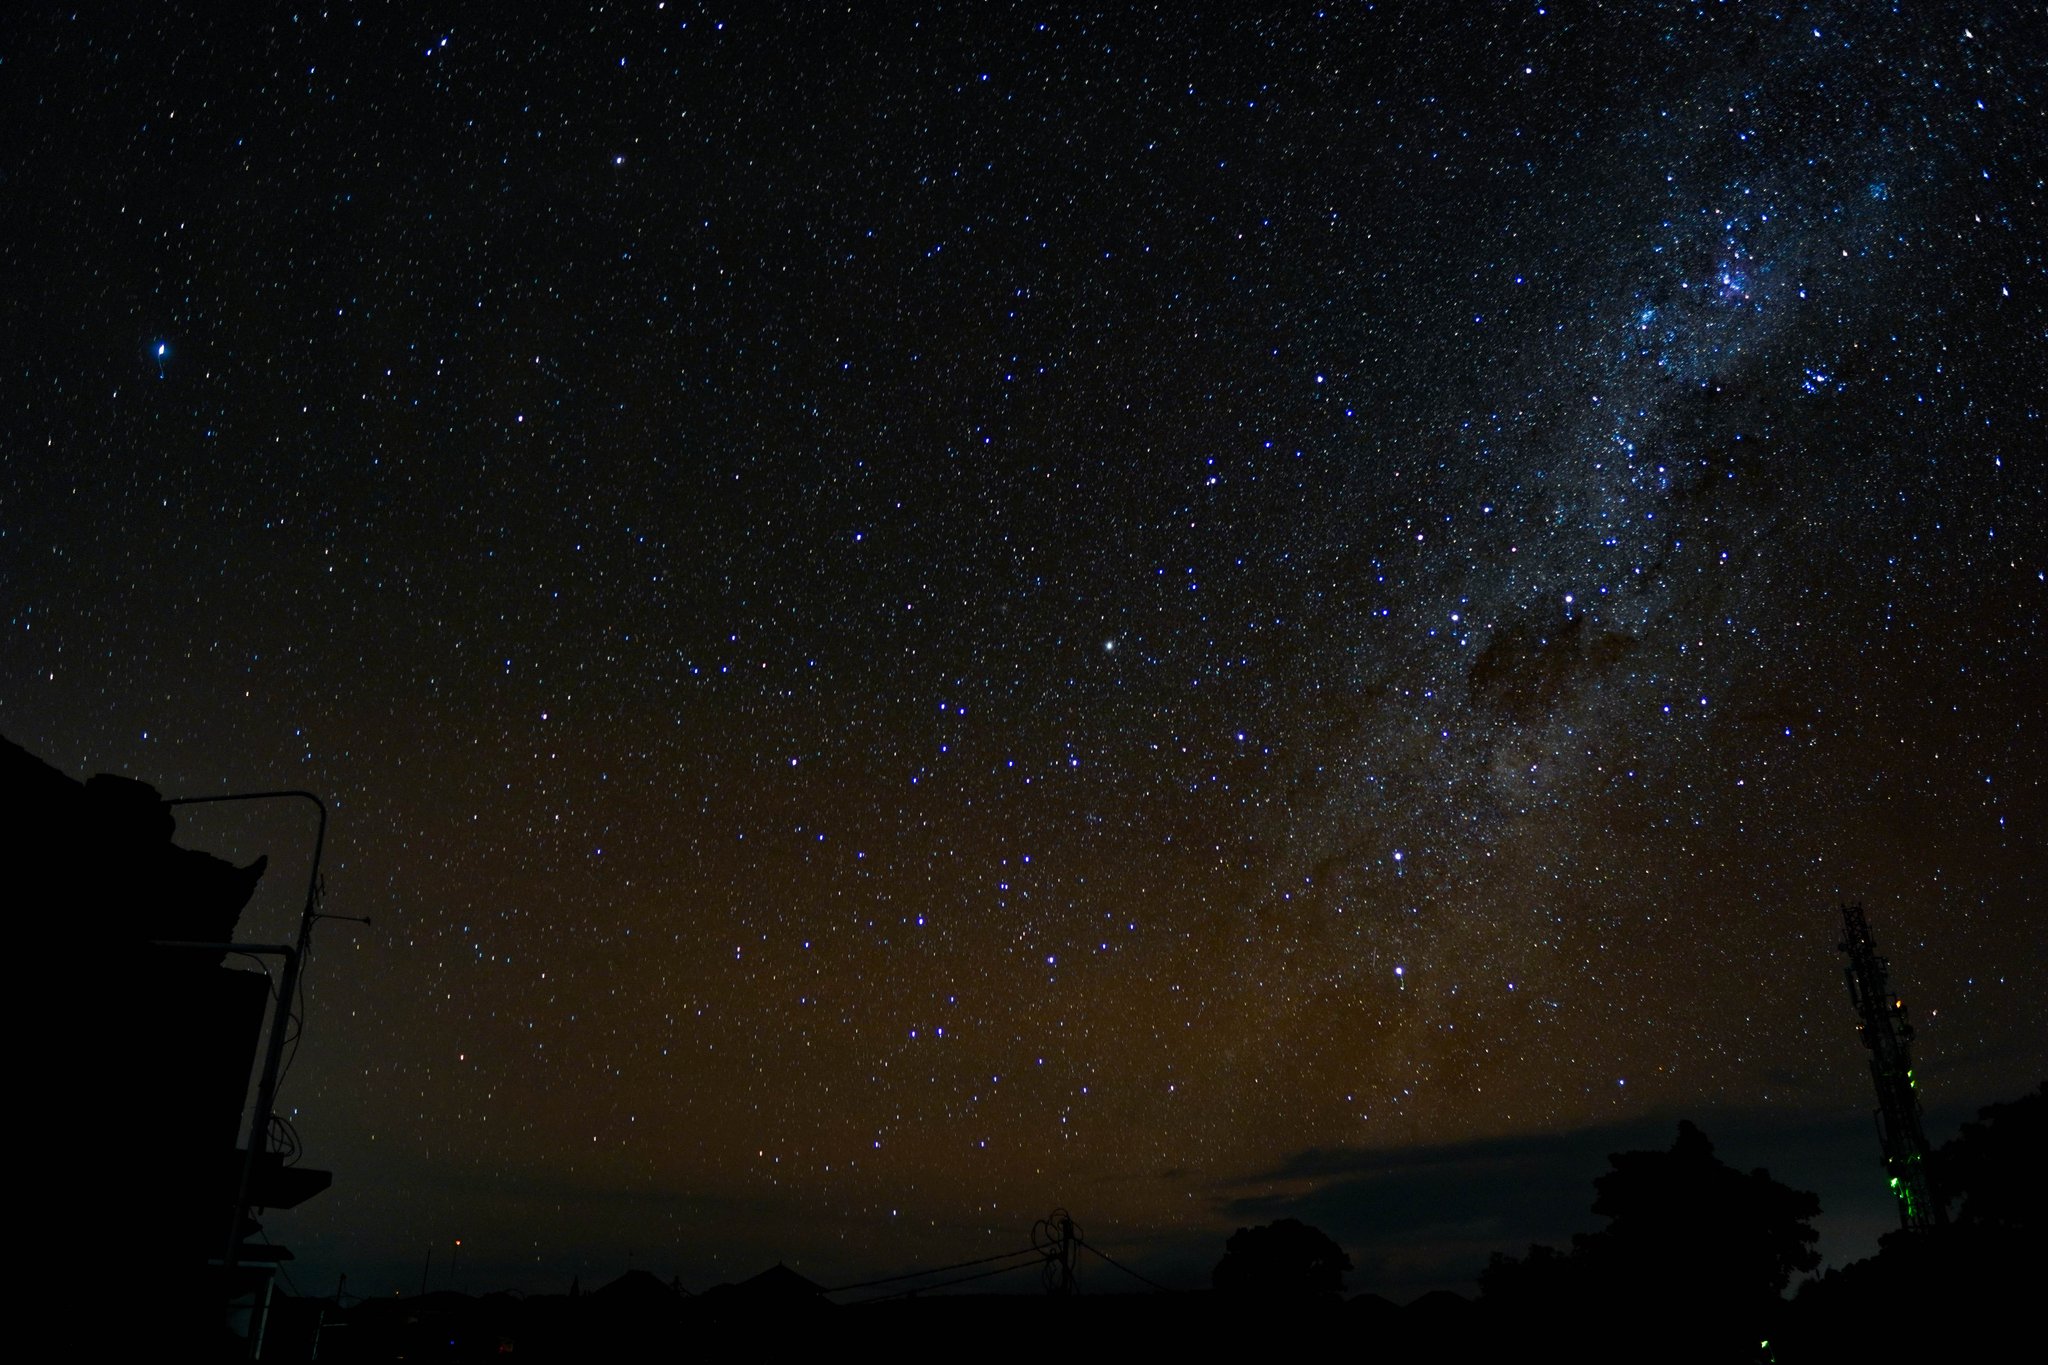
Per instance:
(1881,1020)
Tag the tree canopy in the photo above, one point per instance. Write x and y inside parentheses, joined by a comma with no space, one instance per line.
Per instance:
(1682,1223)
(1690,1265)
(1994,1167)
(1283,1258)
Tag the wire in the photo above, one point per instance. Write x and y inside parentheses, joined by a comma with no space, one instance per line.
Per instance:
(261,966)
(932,1270)
(284,1140)
(1047,1237)
(1051,1237)
(943,1284)
(1127,1270)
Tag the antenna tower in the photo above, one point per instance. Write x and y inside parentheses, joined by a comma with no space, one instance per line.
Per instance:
(1881,1021)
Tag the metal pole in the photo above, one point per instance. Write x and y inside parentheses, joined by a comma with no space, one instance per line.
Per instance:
(273,1055)
(1066,1254)
(277,1022)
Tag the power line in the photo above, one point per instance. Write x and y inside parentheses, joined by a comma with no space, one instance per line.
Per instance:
(932,1270)
(1128,1271)
(942,1284)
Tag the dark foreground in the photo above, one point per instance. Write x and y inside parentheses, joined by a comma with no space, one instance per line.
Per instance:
(1884,1312)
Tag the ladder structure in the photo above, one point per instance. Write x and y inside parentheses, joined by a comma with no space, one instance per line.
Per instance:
(1882,1023)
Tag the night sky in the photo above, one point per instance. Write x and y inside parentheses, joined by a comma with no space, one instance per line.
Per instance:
(914,614)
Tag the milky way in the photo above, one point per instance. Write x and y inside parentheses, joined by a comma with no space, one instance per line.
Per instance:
(912,617)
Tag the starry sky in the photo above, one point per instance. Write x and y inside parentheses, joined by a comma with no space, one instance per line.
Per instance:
(911,613)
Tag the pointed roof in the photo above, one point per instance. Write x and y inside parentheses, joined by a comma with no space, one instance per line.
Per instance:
(636,1287)
(779,1281)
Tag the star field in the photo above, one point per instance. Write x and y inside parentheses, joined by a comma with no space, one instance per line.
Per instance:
(910,616)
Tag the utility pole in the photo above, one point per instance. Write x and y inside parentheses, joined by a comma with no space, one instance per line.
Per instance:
(320,1321)
(1056,1239)
(1066,1254)
(1882,1022)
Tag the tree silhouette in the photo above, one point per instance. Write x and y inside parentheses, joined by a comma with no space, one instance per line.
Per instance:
(1995,1166)
(1539,1282)
(1683,1226)
(1690,1266)
(1979,1276)
(1286,1258)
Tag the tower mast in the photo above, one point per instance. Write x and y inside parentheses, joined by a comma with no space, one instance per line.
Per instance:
(1881,1020)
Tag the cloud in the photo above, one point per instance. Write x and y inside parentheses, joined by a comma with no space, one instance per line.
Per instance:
(1540,1181)
(1418,1217)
